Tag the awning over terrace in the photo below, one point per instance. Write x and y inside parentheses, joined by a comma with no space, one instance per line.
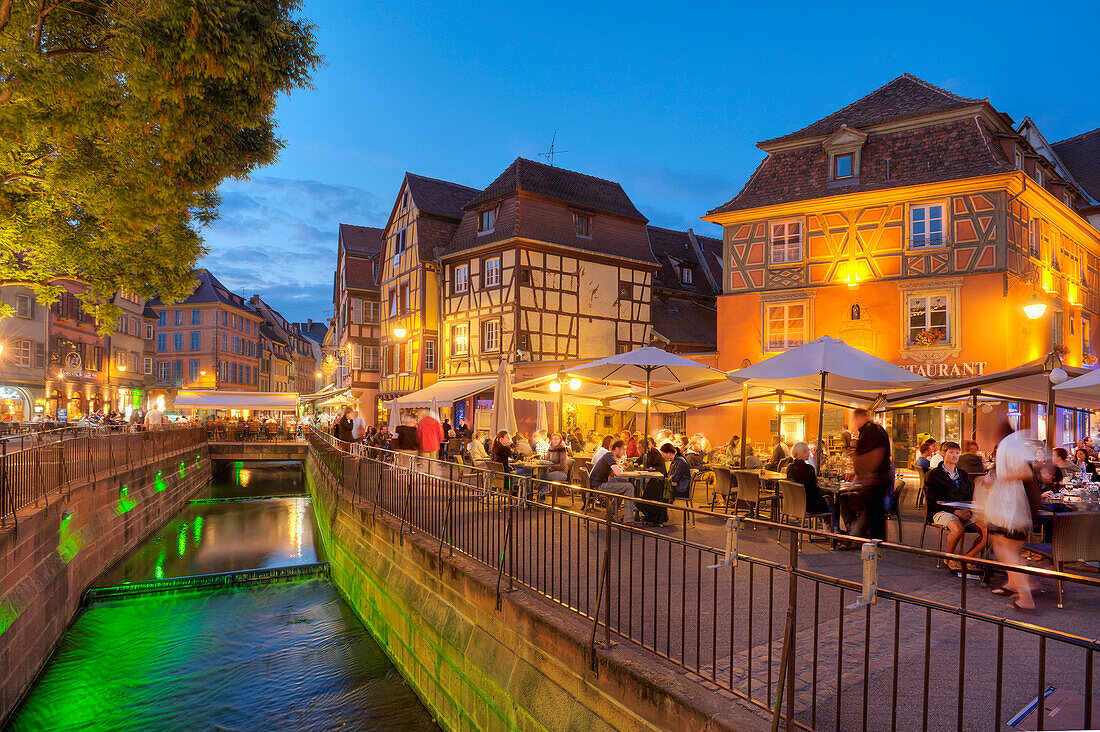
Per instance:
(1028,383)
(444,392)
(256,400)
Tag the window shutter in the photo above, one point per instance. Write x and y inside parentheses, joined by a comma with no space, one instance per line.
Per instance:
(39,355)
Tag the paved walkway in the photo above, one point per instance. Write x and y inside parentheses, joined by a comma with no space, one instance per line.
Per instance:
(726,624)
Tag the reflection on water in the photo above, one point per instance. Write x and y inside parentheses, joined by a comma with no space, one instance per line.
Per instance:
(224,537)
(239,479)
(285,656)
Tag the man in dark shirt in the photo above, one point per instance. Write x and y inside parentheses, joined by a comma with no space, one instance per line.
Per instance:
(606,476)
(948,483)
(871,460)
(970,461)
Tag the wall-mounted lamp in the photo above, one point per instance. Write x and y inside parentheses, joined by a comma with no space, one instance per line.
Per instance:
(399,333)
(1034,307)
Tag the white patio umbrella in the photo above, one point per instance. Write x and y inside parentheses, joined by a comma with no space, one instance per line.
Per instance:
(647,364)
(540,418)
(822,364)
(638,404)
(504,409)
(1087,384)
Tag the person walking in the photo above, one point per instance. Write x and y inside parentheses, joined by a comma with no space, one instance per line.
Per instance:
(154,419)
(343,427)
(871,461)
(406,442)
(429,438)
(1009,515)
(358,427)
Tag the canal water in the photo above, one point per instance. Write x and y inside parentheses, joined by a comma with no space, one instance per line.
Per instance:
(284,655)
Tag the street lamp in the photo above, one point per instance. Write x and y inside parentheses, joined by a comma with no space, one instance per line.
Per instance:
(558,387)
(1034,308)
(399,333)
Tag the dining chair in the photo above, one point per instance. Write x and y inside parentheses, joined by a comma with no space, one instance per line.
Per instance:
(895,510)
(750,492)
(723,486)
(792,505)
(1075,537)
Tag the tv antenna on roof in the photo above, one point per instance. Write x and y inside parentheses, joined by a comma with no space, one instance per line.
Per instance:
(549,155)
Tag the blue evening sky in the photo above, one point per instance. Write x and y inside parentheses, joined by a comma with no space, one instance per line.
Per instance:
(667,99)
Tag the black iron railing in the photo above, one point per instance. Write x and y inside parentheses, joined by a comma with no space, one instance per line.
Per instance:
(816,645)
(35,468)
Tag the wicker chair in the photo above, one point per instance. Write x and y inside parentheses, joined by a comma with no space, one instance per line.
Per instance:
(792,506)
(1075,537)
(751,493)
(723,486)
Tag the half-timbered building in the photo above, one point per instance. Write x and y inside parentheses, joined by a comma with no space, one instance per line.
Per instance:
(423,219)
(915,224)
(355,360)
(546,265)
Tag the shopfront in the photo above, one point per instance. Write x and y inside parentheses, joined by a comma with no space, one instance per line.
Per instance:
(16,404)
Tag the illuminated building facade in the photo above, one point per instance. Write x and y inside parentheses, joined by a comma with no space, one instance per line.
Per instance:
(914,224)
(22,355)
(353,358)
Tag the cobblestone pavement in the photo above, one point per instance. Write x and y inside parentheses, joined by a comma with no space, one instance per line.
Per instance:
(725,625)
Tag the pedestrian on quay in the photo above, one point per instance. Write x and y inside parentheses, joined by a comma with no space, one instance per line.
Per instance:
(429,438)
(407,442)
(874,476)
(1009,514)
(342,428)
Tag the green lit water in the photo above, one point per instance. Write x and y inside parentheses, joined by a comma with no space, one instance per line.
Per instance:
(284,656)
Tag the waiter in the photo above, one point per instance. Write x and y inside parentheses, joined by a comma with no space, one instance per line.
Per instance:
(871,460)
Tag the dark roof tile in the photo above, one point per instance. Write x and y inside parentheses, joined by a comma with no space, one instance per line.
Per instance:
(686,322)
(904,97)
(1081,154)
(948,151)
(578,189)
(438,197)
(362,240)
(668,245)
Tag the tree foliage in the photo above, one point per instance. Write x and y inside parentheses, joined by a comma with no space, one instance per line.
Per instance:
(118,121)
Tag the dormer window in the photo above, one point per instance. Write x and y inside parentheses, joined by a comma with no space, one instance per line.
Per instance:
(842,166)
(582,223)
(486,220)
(1019,160)
(1038,174)
(685,274)
(843,149)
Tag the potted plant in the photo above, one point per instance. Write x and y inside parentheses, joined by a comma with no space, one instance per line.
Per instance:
(927,337)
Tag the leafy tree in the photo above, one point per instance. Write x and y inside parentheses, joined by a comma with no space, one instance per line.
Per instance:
(118,120)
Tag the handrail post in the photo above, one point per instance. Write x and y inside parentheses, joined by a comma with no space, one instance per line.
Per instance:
(446,524)
(601,588)
(786,663)
(504,550)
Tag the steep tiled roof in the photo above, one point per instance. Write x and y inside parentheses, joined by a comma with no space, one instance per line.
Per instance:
(559,184)
(668,245)
(686,322)
(313,330)
(439,197)
(209,289)
(1081,154)
(362,240)
(359,274)
(947,151)
(904,97)
(712,257)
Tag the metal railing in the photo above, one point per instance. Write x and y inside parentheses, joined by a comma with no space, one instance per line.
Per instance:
(30,473)
(236,432)
(818,649)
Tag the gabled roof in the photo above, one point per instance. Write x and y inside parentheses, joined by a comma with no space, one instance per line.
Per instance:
(581,190)
(670,247)
(904,97)
(684,321)
(270,334)
(361,240)
(313,330)
(947,151)
(209,289)
(1081,154)
(436,197)
(712,257)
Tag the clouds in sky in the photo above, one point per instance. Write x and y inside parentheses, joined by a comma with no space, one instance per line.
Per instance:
(276,238)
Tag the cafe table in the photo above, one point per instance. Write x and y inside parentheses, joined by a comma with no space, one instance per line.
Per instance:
(639,478)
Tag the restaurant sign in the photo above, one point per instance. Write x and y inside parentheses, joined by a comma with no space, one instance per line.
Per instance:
(955,370)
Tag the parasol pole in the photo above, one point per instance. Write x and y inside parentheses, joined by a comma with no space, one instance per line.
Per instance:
(648,376)
(820,423)
(744,422)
